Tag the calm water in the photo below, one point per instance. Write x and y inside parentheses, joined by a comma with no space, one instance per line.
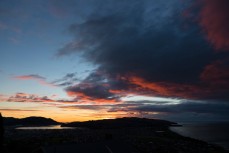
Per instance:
(51,127)
(215,133)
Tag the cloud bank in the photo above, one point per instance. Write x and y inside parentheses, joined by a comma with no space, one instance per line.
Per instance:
(148,48)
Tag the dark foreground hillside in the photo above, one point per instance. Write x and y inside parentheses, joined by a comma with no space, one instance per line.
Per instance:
(130,135)
(121,123)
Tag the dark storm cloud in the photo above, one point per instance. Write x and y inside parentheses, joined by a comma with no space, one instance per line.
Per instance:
(184,110)
(193,107)
(94,91)
(131,42)
(94,88)
(141,46)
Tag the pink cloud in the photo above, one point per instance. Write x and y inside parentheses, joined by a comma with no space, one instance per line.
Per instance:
(29,77)
(3,97)
(26,97)
(40,79)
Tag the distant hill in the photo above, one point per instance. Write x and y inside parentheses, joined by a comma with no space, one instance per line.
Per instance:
(28,121)
(121,123)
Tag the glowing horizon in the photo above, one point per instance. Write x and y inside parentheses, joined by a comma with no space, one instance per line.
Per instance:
(84,60)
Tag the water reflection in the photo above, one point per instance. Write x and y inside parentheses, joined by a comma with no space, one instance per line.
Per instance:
(51,127)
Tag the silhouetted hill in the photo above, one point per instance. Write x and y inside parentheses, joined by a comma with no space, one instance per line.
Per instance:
(121,123)
(29,121)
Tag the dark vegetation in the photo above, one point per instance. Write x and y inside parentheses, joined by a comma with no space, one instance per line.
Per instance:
(1,131)
(121,123)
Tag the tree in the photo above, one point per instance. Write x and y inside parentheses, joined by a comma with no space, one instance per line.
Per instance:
(1,130)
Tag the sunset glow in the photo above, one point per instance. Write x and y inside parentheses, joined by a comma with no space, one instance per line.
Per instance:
(89,60)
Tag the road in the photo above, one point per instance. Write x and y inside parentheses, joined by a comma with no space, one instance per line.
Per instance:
(99,147)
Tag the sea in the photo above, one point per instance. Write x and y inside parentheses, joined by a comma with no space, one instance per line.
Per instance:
(51,127)
(214,133)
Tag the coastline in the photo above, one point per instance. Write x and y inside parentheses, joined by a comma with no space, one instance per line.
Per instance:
(145,139)
(206,132)
(141,135)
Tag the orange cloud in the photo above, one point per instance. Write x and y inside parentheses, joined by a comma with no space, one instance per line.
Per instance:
(145,85)
(168,89)
(83,98)
(214,85)
(135,85)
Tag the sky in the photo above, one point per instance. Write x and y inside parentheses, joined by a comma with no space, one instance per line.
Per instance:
(81,60)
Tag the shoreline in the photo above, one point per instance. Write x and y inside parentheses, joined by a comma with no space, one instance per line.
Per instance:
(199,137)
(142,135)
(145,138)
